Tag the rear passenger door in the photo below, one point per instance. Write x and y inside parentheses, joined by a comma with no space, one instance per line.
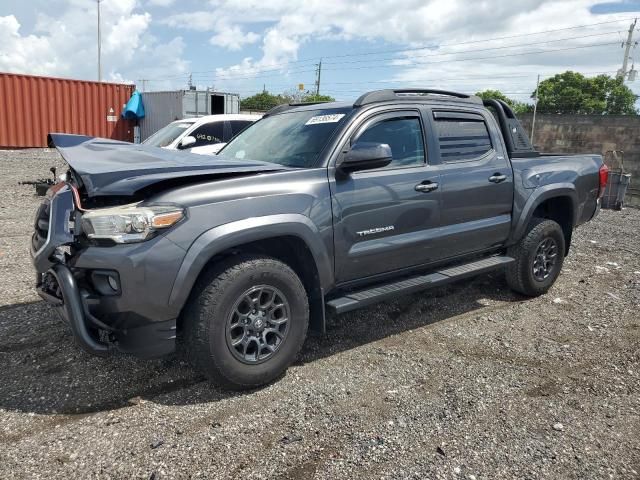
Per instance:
(476,181)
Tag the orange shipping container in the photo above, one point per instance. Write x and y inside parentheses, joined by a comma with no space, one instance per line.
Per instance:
(32,106)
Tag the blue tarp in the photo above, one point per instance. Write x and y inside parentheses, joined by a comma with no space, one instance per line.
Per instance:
(134,109)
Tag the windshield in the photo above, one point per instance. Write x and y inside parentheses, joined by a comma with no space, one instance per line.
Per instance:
(165,136)
(291,139)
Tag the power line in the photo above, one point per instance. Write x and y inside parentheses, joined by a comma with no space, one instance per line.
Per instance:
(503,47)
(479,41)
(404,65)
(514,92)
(458,78)
(270,68)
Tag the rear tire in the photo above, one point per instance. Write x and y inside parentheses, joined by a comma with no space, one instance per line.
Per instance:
(538,258)
(246,321)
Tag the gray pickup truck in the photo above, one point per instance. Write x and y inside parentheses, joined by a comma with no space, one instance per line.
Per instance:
(314,208)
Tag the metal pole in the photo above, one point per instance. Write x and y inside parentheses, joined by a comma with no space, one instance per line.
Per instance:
(318,78)
(535,110)
(622,73)
(99,45)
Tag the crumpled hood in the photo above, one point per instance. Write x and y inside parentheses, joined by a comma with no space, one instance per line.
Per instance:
(111,167)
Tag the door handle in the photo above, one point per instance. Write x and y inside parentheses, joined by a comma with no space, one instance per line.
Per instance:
(426,187)
(497,177)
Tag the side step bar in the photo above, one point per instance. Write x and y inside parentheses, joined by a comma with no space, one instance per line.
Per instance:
(369,296)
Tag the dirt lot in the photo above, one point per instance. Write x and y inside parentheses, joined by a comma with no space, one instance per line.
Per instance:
(471,381)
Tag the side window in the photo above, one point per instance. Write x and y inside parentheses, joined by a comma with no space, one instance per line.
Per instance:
(403,135)
(462,140)
(238,125)
(209,133)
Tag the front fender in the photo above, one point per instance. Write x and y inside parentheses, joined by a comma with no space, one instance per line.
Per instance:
(538,196)
(229,235)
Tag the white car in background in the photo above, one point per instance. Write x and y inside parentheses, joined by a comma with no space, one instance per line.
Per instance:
(203,135)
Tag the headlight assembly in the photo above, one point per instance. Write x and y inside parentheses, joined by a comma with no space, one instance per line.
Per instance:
(130,223)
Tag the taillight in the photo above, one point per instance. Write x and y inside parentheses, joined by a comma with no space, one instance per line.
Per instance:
(604,177)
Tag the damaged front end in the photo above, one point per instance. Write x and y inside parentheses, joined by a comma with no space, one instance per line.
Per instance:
(52,243)
(113,295)
(102,245)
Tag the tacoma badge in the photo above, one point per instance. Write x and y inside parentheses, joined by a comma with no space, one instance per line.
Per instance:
(371,231)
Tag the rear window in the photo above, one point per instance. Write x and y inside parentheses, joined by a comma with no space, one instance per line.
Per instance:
(462,140)
(238,125)
(209,134)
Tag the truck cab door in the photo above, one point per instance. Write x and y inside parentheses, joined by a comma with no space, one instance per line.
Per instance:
(476,182)
(385,219)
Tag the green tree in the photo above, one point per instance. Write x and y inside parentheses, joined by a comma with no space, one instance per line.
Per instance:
(312,97)
(573,93)
(262,101)
(516,106)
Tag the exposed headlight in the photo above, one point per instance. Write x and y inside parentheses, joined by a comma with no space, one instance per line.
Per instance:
(129,224)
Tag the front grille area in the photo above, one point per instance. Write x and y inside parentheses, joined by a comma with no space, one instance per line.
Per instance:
(41,225)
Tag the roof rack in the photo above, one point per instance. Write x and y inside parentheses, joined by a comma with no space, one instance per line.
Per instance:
(410,94)
(287,106)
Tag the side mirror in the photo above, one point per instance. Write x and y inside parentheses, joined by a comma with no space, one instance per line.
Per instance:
(365,156)
(187,142)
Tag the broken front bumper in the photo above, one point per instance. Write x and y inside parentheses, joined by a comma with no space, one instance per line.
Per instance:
(133,317)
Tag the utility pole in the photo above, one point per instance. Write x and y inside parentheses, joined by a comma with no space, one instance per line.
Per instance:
(144,83)
(535,109)
(99,45)
(623,73)
(318,73)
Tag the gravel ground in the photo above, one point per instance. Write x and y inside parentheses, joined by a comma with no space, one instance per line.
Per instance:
(468,381)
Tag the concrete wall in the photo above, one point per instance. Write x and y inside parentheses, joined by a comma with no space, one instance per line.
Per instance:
(592,134)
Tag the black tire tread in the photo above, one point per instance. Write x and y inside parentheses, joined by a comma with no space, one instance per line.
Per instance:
(206,293)
(517,271)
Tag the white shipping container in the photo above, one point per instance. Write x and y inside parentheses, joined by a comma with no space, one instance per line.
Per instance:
(162,108)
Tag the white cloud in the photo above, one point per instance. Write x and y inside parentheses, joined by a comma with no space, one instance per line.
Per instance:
(226,33)
(232,37)
(65,43)
(201,21)
(124,36)
(29,53)
(288,26)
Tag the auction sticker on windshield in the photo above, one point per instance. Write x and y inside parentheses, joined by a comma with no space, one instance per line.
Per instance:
(325,119)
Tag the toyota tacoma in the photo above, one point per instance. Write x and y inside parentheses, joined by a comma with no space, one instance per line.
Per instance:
(315,208)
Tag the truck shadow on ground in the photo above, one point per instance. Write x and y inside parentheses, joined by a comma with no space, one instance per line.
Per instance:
(44,372)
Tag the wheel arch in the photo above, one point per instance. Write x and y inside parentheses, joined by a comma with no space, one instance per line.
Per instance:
(292,239)
(554,202)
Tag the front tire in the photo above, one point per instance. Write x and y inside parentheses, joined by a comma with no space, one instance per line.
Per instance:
(538,258)
(246,321)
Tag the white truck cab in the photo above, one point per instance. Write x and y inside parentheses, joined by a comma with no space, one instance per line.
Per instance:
(203,135)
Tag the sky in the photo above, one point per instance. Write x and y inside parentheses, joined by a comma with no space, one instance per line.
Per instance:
(243,46)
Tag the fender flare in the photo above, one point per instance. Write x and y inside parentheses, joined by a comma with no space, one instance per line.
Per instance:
(229,235)
(539,196)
